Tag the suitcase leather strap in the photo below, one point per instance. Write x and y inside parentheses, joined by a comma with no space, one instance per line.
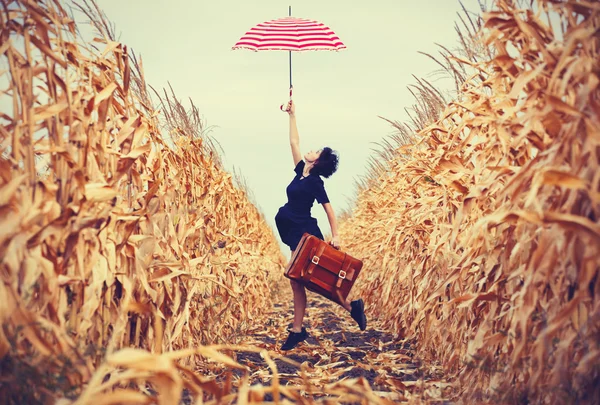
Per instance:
(343,274)
(315,254)
(343,271)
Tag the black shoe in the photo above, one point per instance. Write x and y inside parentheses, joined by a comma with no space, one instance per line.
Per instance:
(358,313)
(294,338)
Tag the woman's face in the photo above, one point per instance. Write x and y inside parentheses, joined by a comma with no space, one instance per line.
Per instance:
(312,156)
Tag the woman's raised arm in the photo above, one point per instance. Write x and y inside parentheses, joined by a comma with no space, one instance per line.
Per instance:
(294,138)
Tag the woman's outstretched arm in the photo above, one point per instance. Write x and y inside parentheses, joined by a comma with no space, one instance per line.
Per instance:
(294,138)
(335,241)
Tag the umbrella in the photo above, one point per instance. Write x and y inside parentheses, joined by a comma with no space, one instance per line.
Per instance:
(290,34)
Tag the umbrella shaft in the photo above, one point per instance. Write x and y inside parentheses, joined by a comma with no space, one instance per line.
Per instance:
(290,57)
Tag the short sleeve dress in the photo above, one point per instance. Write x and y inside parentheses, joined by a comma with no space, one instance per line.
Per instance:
(294,218)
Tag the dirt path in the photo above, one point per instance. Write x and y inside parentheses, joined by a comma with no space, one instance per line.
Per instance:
(337,350)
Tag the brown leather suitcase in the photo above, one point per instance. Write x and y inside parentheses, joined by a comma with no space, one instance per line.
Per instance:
(323,269)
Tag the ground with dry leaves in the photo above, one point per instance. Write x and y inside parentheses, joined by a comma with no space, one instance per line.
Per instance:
(337,351)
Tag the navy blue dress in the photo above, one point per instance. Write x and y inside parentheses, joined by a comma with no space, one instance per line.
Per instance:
(293,219)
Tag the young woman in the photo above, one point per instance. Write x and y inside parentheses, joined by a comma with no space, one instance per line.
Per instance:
(294,219)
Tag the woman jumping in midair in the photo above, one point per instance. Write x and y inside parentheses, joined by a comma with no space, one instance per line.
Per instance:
(294,219)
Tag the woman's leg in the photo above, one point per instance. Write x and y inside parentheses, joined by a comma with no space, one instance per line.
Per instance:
(299,305)
(297,333)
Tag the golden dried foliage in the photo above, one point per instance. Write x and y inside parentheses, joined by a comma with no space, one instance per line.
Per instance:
(115,246)
(130,264)
(482,240)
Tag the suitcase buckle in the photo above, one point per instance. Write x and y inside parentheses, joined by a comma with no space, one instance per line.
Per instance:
(342,274)
(315,260)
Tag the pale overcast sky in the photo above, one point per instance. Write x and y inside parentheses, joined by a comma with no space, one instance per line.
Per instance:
(338,94)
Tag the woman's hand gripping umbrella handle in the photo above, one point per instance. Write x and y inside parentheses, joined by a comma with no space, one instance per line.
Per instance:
(287,108)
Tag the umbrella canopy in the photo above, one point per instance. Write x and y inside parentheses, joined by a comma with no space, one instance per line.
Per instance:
(290,34)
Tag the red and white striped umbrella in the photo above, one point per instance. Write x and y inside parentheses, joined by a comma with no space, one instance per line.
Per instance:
(290,34)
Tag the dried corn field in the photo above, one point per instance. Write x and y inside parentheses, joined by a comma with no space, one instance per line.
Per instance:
(134,270)
(482,238)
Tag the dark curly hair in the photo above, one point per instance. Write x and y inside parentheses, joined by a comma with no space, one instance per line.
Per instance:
(327,164)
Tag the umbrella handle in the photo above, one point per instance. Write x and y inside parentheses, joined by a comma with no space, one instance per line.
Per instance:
(282,107)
